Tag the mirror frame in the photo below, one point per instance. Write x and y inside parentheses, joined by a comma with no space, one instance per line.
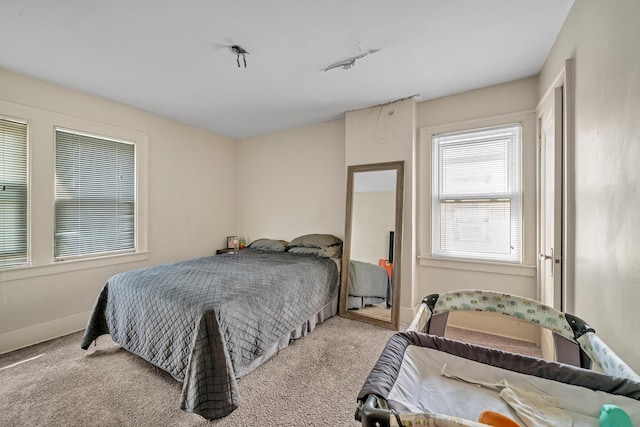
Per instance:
(398,166)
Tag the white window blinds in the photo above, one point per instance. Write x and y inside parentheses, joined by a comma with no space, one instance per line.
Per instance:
(13,193)
(477,194)
(95,195)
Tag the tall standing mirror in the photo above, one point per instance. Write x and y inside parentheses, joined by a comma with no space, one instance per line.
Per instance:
(373,239)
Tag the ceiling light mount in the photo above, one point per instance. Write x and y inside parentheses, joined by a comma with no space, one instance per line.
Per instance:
(347,63)
(239,51)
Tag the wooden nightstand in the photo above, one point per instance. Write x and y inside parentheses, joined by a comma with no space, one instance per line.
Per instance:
(225,251)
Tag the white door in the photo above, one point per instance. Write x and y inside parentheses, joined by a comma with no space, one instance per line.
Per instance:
(550,141)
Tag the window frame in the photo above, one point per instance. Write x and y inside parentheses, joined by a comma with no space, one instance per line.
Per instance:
(41,191)
(95,254)
(425,257)
(490,199)
(4,267)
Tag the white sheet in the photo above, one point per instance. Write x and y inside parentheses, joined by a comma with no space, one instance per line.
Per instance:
(421,388)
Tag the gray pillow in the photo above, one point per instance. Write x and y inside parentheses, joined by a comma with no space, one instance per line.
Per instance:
(315,241)
(269,245)
(334,251)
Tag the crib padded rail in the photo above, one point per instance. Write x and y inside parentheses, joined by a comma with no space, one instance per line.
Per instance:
(576,342)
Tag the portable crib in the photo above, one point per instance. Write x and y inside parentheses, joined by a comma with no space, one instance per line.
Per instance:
(422,378)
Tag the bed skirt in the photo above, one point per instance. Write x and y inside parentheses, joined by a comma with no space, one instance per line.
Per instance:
(303,330)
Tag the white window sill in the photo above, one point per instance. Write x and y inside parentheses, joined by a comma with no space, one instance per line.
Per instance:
(26,272)
(479,266)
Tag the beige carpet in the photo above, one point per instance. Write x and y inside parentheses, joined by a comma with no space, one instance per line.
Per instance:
(313,382)
(494,341)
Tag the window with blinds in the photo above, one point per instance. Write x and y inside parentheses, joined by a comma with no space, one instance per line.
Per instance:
(476,208)
(13,193)
(95,195)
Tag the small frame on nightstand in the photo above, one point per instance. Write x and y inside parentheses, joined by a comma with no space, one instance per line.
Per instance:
(232,242)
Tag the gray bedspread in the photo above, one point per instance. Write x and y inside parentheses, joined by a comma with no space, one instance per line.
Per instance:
(200,319)
(368,280)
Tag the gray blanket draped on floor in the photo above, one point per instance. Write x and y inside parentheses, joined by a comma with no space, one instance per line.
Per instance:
(200,319)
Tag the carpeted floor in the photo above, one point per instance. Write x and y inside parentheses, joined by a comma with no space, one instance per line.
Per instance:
(313,382)
(494,341)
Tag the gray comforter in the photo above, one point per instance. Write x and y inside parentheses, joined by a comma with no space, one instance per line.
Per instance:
(201,319)
(368,280)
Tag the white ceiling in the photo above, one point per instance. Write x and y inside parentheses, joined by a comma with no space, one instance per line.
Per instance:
(172,57)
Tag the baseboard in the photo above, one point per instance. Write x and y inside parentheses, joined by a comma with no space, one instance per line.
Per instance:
(24,337)
(406,317)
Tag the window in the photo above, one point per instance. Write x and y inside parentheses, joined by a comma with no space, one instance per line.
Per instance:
(94,195)
(13,193)
(476,198)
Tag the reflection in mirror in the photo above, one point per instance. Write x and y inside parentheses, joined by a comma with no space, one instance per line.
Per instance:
(374,212)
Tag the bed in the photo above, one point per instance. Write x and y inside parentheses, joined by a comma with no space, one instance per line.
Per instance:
(423,378)
(369,284)
(212,320)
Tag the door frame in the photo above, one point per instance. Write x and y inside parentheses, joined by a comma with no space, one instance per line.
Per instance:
(566,81)
(549,160)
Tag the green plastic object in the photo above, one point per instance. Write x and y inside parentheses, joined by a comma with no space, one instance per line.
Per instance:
(614,416)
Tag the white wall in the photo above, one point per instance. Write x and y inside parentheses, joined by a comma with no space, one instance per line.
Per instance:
(191,205)
(603,39)
(292,183)
(374,216)
(468,110)
(386,133)
(288,183)
(393,132)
